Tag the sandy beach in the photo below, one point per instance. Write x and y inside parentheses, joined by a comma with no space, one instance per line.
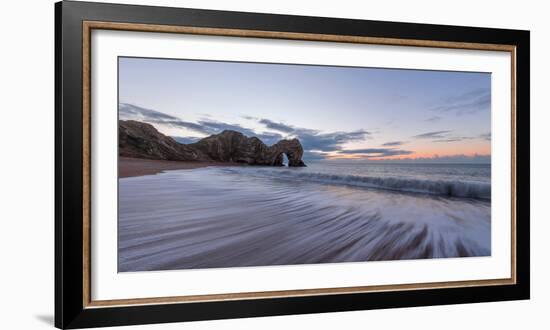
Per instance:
(129,167)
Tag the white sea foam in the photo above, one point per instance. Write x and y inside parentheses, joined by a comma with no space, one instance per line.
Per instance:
(466,189)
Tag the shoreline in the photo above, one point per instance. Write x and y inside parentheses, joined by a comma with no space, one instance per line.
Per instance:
(132,167)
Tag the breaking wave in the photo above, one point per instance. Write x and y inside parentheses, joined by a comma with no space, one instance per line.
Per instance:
(463,189)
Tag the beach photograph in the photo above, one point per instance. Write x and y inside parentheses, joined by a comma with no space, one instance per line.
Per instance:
(240,164)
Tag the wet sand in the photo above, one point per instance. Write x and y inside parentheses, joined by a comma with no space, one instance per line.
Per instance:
(129,167)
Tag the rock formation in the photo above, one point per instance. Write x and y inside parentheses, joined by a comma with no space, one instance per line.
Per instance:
(141,140)
(293,150)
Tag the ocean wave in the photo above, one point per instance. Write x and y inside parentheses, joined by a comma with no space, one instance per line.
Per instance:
(463,189)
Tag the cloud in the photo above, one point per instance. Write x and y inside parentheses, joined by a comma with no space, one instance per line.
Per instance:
(451,159)
(328,141)
(398,97)
(393,143)
(445,136)
(455,138)
(217,126)
(466,103)
(269,138)
(205,126)
(433,119)
(277,126)
(432,135)
(376,152)
(485,136)
(133,112)
(183,124)
(125,111)
(313,139)
(460,159)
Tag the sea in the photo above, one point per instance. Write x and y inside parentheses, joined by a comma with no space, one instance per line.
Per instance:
(328,212)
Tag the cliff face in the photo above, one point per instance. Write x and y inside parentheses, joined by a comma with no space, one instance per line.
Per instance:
(141,140)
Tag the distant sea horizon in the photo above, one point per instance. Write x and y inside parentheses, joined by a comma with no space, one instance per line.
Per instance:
(435,160)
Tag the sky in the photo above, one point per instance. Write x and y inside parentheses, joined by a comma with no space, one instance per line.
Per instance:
(336,112)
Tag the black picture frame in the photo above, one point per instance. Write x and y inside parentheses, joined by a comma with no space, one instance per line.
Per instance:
(70,309)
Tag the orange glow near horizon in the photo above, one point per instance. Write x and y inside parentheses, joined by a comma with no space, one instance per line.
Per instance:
(481,148)
(402,157)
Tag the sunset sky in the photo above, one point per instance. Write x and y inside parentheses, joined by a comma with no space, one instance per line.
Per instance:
(336,112)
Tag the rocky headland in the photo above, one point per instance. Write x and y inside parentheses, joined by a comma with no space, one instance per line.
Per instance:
(141,140)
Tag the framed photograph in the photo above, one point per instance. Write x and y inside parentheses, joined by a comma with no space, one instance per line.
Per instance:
(215,164)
